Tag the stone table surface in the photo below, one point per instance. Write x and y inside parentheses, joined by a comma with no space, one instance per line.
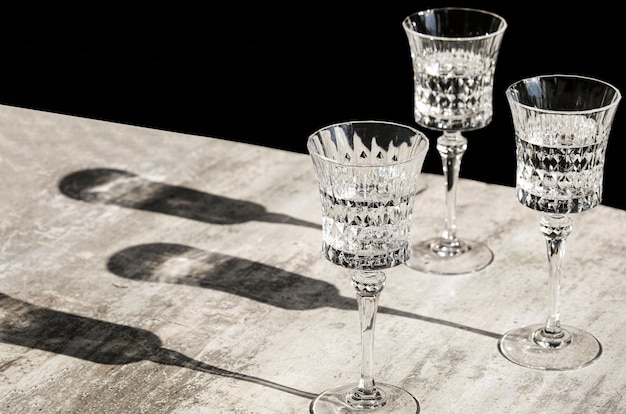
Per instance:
(146,271)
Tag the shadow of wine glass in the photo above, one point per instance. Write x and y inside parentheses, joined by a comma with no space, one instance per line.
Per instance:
(185,265)
(93,340)
(125,189)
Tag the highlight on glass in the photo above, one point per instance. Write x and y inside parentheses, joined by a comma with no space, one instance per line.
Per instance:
(368,174)
(562,125)
(453,52)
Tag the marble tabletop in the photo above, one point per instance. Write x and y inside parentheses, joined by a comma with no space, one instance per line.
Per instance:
(147,271)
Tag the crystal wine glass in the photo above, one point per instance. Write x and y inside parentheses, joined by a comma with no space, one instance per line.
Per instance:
(368,175)
(454,53)
(562,124)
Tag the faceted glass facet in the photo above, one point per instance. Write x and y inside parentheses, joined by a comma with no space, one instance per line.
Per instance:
(368,175)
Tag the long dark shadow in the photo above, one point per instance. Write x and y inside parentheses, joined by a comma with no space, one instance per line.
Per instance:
(180,264)
(125,189)
(31,326)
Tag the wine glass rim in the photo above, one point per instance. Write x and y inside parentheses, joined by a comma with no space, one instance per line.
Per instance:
(616,99)
(501,29)
(423,141)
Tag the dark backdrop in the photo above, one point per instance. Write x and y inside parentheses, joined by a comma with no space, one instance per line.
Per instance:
(271,76)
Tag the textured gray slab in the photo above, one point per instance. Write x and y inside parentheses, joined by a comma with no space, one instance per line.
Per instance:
(144,271)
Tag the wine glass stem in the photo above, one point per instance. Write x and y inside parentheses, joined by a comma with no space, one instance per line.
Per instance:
(556,229)
(451,146)
(368,285)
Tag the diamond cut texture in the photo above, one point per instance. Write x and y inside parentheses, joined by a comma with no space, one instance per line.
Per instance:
(453,89)
(368,176)
(562,124)
(560,180)
(454,53)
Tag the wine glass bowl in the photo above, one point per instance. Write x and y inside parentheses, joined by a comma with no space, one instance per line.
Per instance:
(368,176)
(454,53)
(562,124)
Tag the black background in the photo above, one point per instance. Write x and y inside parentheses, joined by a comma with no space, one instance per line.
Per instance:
(272,75)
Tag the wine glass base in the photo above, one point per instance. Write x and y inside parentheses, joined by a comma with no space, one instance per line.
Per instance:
(438,256)
(518,346)
(334,401)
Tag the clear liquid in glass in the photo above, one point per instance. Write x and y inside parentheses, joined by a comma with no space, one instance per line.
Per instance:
(560,165)
(453,90)
(367,234)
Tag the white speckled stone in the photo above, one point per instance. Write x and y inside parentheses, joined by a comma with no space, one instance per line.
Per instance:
(145,271)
